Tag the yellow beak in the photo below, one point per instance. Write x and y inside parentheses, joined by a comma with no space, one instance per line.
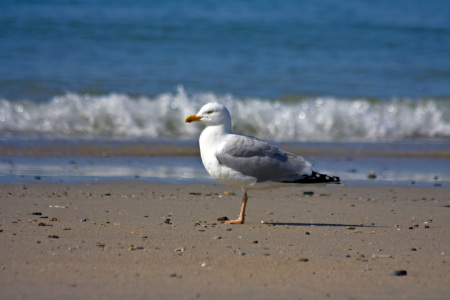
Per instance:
(192,118)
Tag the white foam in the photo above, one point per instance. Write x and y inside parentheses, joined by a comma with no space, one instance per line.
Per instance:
(312,119)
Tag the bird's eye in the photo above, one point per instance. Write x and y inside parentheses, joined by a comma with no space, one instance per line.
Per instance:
(209,112)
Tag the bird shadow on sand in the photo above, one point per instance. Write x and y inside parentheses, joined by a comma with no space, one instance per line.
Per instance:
(316,224)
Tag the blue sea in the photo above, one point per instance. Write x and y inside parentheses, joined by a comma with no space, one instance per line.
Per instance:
(359,78)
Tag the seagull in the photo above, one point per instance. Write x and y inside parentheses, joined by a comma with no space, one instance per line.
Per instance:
(247,162)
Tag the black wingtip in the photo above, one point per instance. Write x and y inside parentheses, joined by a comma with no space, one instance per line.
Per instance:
(317,178)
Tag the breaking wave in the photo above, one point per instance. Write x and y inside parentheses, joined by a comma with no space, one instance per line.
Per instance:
(293,119)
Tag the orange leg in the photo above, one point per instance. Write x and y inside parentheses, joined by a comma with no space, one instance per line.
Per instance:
(241,218)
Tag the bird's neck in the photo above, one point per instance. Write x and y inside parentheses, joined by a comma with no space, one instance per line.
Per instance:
(213,135)
(218,129)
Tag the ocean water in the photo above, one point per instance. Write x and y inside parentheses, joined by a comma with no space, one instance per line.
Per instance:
(320,73)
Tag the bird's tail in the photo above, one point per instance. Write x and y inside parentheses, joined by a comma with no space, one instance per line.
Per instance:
(316,178)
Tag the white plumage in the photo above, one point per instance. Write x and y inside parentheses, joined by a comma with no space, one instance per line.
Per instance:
(248,162)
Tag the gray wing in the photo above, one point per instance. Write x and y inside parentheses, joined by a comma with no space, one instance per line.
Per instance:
(259,159)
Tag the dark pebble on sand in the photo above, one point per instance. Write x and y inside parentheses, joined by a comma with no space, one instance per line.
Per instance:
(195,194)
(308,193)
(302,259)
(167,221)
(53,236)
(399,273)
(42,224)
(307,233)
(222,219)
(83,220)
(37,214)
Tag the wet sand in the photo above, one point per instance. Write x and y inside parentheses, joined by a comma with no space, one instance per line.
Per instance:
(119,240)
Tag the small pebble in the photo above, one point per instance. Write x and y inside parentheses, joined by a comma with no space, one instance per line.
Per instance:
(307,233)
(222,219)
(217,237)
(241,253)
(167,221)
(53,236)
(37,214)
(302,259)
(381,256)
(399,273)
(83,220)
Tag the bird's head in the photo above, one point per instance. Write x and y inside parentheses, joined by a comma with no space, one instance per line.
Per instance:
(212,114)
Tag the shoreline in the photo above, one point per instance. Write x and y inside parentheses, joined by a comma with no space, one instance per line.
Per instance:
(353,170)
(111,240)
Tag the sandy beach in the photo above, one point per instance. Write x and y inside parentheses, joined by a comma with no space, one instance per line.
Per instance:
(135,240)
